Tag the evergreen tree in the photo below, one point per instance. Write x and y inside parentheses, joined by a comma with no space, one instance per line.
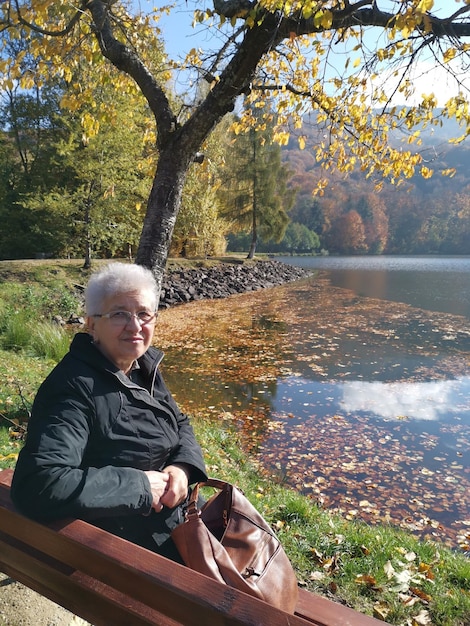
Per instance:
(255,196)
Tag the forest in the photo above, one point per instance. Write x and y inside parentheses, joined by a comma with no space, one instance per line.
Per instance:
(64,195)
(360,215)
(423,215)
(76,175)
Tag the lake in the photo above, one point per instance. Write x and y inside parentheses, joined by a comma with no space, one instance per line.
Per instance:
(352,386)
(430,282)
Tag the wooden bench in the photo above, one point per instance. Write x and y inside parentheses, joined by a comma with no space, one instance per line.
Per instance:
(110,582)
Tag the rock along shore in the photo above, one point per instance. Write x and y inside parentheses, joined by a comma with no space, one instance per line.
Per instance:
(223,280)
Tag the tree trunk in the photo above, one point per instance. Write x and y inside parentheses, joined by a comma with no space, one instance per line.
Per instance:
(254,230)
(162,210)
(252,250)
(254,223)
(178,147)
(87,220)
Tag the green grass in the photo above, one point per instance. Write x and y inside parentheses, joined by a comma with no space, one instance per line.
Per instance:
(375,569)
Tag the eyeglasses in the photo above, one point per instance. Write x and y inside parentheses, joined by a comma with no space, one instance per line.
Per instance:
(123,318)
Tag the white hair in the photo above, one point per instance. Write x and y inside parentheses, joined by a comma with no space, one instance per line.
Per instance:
(117,278)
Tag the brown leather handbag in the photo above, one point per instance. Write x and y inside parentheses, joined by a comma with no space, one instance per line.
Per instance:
(227,539)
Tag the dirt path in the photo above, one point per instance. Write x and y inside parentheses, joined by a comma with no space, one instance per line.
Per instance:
(19,606)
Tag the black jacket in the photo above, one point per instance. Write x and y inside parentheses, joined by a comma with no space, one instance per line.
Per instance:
(92,433)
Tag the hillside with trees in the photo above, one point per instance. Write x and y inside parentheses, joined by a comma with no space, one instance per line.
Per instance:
(354,215)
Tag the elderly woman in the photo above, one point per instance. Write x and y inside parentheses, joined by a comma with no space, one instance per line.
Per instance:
(106,441)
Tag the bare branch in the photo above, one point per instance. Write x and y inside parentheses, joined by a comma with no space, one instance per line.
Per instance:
(220,54)
(458,13)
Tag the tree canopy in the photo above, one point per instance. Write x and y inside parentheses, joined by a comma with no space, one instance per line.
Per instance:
(266,46)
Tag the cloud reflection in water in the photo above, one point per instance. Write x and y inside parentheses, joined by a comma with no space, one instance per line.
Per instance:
(428,401)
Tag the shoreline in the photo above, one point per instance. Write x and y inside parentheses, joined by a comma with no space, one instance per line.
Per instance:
(225,279)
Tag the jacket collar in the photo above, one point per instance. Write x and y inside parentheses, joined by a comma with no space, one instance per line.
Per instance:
(82,348)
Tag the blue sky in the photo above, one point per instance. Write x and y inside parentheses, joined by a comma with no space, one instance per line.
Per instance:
(176,28)
(178,34)
(180,37)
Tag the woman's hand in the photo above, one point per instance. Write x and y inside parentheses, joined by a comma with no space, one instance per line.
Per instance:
(177,486)
(159,482)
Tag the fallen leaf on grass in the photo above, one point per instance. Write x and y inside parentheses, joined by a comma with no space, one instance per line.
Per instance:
(369,581)
(381,611)
(421,594)
(422,619)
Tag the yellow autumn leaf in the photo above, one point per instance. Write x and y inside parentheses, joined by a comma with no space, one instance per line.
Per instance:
(90,125)
(26,81)
(317,18)
(282,138)
(425,5)
(327,19)
(451,171)
(302,142)
(381,611)
(449,55)
(8,457)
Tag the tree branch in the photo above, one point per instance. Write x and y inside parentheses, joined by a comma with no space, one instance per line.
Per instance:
(233,8)
(50,33)
(126,60)
(361,13)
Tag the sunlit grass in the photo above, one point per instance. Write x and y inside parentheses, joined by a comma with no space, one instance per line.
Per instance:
(50,341)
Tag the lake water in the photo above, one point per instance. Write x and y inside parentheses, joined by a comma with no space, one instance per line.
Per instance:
(430,282)
(352,386)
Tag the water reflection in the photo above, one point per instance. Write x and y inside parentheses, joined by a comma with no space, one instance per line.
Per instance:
(360,404)
(436,283)
(423,401)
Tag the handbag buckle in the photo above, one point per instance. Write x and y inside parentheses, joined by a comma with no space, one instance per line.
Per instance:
(192,511)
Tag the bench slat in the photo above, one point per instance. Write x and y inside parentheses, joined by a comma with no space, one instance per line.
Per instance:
(84,596)
(329,613)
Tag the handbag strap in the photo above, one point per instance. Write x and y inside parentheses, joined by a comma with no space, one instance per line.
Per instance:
(192,508)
